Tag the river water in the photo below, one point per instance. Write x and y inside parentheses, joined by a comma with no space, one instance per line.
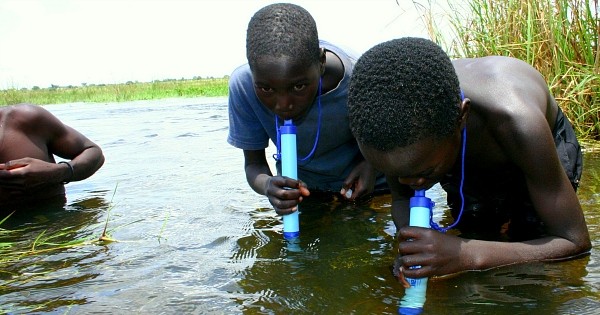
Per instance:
(193,238)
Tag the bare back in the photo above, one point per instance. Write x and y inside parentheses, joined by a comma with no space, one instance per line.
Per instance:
(509,99)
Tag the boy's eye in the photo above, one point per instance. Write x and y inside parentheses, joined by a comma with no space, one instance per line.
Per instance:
(299,87)
(266,89)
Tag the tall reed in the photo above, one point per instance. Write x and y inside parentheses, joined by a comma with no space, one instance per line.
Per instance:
(117,92)
(557,37)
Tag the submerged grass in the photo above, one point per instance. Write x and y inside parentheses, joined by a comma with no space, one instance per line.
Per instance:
(557,37)
(27,262)
(117,92)
(15,252)
(44,243)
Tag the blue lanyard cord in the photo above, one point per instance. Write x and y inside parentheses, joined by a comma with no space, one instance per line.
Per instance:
(434,225)
(277,156)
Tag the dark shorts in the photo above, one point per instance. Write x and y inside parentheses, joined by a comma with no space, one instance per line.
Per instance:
(568,148)
(511,216)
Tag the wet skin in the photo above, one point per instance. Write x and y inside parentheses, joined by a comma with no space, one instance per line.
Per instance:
(30,136)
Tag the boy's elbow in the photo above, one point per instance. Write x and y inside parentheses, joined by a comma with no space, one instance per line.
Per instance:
(586,246)
(101,160)
(583,244)
(99,157)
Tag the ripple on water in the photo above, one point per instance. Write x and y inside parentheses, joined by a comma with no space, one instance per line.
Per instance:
(193,238)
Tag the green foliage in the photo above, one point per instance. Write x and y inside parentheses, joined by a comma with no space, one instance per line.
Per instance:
(129,91)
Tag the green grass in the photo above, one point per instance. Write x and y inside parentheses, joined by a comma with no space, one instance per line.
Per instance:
(557,37)
(117,92)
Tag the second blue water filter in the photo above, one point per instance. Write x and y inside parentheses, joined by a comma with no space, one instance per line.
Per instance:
(420,215)
(289,168)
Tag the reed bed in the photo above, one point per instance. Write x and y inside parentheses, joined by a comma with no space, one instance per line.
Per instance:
(117,92)
(557,37)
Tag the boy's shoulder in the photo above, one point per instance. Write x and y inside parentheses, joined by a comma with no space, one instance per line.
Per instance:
(503,86)
(25,114)
(341,50)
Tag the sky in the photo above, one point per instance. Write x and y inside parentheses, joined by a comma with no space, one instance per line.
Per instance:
(72,42)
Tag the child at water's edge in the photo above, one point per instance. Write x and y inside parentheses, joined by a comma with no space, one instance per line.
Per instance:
(419,117)
(292,75)
(30,137)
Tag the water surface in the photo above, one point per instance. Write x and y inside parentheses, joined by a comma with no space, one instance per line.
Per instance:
(193,238)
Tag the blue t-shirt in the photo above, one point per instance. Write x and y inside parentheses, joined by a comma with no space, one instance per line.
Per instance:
(251,125)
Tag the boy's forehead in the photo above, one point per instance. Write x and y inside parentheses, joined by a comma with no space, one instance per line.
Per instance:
(409,160)
(281,68)
(397,160)
(282,61)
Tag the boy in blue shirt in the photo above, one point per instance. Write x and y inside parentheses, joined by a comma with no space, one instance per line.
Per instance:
(292,75)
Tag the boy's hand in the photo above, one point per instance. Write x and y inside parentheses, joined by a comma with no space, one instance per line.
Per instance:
(435,253)
(359,182)
(27,173)
(285,193)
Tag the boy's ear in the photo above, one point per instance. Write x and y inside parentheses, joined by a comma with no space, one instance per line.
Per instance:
(465,106)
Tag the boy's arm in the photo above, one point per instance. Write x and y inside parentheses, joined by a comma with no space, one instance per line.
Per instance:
(85,156)
(257,170)
(528,142)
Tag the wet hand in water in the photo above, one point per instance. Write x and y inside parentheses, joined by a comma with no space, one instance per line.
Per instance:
(435,253)
(285,193)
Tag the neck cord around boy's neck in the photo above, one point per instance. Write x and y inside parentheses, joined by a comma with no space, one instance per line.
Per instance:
(277,156)
(434,225)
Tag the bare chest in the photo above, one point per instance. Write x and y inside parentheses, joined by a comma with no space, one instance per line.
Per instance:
(15,143)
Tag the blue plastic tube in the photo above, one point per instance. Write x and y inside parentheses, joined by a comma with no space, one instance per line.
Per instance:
(414,297)
(289,168)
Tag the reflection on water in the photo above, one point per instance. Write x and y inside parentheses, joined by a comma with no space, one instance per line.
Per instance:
(194,238)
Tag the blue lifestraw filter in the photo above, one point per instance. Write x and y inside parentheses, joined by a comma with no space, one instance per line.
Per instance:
(289,168)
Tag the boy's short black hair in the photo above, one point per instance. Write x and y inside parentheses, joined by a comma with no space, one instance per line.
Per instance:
(402,91)
(282,29)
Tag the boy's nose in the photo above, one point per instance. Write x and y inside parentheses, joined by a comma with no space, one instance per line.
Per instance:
(284,102)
